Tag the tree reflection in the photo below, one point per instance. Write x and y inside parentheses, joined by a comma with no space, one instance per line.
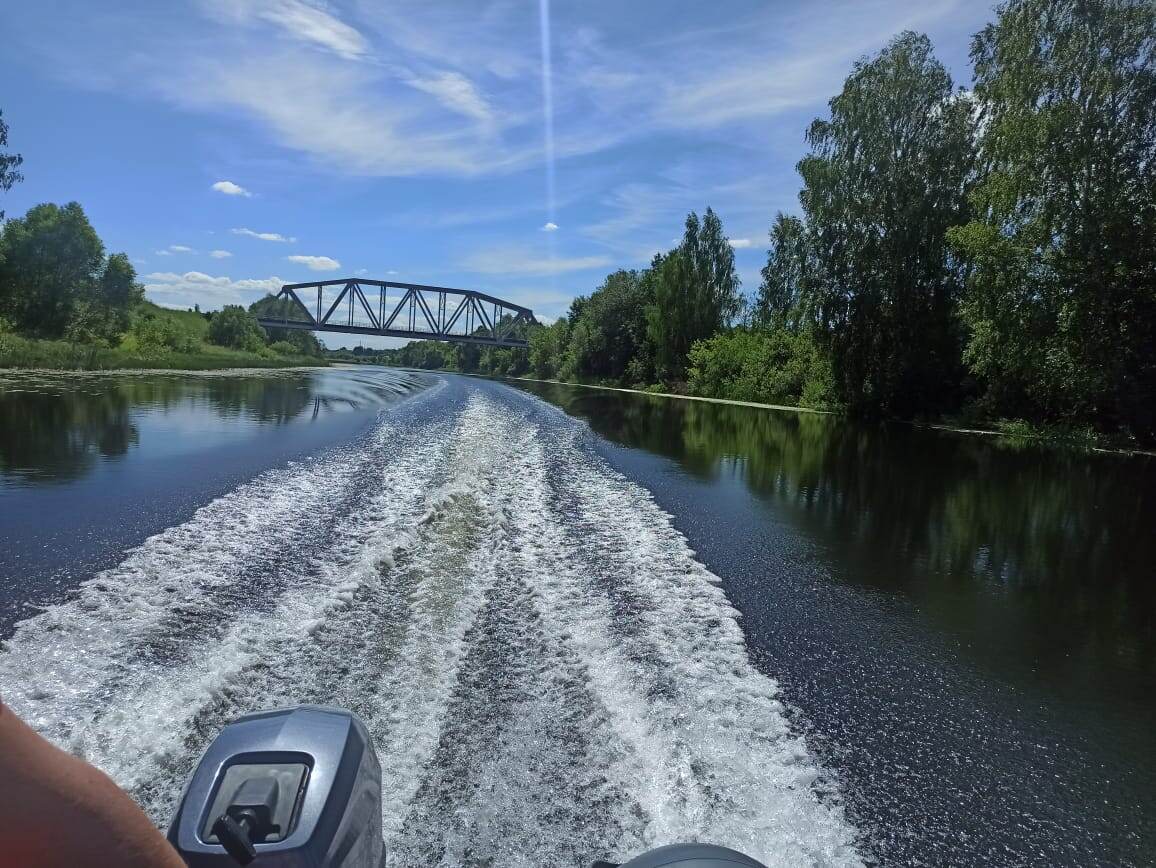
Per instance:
(57,429)
(60,437)
(1046,549)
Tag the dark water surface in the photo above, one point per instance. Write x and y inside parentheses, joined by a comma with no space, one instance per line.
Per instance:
(92,463)
(968,625)
(962,630)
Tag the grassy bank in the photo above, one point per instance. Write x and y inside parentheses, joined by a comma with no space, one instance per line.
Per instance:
(19,352)
(159,339)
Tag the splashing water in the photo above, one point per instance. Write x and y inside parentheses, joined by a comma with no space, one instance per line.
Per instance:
(548,673)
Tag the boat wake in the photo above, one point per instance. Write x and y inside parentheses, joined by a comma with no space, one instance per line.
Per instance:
(549,674)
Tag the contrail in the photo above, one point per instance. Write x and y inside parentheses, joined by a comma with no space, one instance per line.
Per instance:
(547,103)
(548,113)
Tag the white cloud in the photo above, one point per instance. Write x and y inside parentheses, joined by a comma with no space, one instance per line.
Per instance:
(220,254)
(362,271)
(392,272)
(550,227)
(523,261)
(170,289)
(174,248)
(231,189)
(457,93)
(298,19)
(739,243)
(316,263)
(265,236)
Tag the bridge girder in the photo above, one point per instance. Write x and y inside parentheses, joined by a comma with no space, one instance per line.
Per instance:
(420,312)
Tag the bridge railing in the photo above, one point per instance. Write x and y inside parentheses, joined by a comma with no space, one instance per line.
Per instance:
(404,310)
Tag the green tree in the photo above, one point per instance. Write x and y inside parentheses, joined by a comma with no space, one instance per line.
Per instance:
(786,294)
(548,348)
(1061,297)
(670,319)
(720,302)
(886,177)
(695,292)
(49,260)
(233,326)
(610,327)
(117,291)
(304,342)
(9,164)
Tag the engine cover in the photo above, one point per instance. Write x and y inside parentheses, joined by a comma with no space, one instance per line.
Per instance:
(298,787)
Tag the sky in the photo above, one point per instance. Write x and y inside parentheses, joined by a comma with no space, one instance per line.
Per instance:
(517,147)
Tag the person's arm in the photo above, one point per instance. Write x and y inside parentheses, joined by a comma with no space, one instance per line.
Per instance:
(57,810)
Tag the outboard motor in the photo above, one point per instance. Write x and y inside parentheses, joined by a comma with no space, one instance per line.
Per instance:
(688,856)
(292,787)
(301,788)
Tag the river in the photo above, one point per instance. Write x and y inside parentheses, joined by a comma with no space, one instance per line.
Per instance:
(579,623)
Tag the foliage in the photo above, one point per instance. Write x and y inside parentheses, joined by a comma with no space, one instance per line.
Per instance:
(608,328)
(696,293)
(788,290)
(283,348)
(548,347)
(885,179)
(51,262)
(21,352)
(304,343)
(767,366)
(233,326)
(1061,298)
(155,331)
(9,164)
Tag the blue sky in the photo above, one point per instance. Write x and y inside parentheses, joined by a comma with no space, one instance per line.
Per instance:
(230,146)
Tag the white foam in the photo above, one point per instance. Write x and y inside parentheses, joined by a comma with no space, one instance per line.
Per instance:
(548,672)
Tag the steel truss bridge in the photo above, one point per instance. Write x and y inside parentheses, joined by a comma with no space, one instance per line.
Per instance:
(401,310)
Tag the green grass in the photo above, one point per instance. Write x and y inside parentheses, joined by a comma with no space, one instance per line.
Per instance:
(190,327)
(18,352)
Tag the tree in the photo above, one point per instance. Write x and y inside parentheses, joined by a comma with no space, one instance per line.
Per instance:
(714,258)
(695,291)
(786,294)
(9,163)
(233,326)
(49,260)
(117,291)
(1061,298)
(271,307)
(669,320)
(611,325)
(548,347)
(886,176)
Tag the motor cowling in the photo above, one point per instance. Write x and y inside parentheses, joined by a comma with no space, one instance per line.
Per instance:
(692,856)
(292,787)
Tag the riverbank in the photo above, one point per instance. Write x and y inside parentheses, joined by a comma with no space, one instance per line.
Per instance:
(1010,431)
(32,353)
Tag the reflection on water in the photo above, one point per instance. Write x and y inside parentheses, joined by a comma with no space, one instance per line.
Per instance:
(1038,562)
(58,427)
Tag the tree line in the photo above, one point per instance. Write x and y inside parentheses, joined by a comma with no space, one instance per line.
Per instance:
(58,284)
(985,253)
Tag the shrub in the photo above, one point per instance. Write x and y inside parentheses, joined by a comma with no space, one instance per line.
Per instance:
(235,327)
(772,366)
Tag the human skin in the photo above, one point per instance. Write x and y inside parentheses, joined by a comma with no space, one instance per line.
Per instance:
(56,810)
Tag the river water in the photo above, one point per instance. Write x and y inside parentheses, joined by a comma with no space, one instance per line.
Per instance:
(580,623)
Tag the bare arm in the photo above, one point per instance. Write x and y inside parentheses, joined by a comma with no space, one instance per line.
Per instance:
(57,810)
